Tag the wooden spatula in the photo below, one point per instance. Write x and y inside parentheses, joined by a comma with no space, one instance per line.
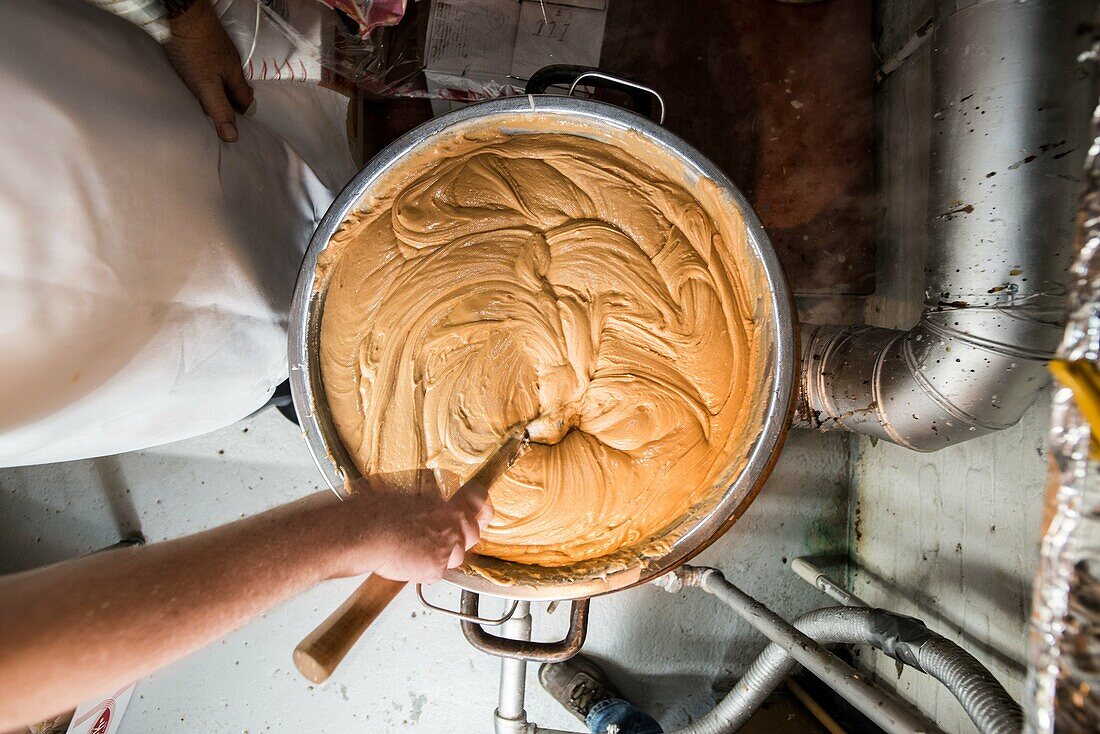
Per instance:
(322,649)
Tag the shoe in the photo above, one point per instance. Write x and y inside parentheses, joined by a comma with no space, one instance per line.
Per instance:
(578,684)
(282,401)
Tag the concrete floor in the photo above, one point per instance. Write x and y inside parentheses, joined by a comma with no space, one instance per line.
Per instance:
(953,538)
(414,672)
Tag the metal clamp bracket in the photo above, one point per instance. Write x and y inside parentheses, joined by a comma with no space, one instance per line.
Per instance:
(539,652)
(466,618)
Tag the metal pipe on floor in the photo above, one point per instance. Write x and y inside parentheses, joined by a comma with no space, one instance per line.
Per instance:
(905,639)
(878,705)
(982,697)
(817,578)
(908,640)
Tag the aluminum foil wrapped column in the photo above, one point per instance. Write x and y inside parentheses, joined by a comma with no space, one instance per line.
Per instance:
(1064,675)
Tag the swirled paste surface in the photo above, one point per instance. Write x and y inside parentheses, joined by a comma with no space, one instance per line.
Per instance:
(547,278)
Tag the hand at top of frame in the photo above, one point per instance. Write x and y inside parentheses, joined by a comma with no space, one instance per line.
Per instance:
(208,63)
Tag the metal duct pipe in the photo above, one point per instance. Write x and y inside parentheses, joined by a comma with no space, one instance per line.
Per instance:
(1008,138)
(986,702)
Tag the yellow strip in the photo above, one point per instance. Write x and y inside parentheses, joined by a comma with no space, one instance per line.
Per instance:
(1083,378)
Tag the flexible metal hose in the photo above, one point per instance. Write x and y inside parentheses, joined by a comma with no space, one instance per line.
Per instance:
(986,702)
(773,665)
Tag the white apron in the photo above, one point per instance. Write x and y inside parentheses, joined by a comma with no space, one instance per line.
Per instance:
(146,268)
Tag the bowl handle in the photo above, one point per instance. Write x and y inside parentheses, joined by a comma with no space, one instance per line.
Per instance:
(488,622)
(572,75)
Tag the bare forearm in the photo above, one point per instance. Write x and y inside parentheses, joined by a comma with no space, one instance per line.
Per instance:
(77,629)
(85,627)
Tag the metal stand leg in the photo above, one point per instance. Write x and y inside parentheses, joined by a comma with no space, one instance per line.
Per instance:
(510,716)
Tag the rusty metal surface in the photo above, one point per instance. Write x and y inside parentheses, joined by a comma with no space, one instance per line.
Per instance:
(778,96)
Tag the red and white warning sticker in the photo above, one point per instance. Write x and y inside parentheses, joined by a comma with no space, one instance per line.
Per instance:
(102,715)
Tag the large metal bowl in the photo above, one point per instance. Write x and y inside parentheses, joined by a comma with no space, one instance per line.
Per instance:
(746,473)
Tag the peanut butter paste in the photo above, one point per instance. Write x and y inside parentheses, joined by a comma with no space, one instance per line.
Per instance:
(548,278)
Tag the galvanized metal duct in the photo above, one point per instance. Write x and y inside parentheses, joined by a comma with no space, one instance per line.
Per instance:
(1009,136)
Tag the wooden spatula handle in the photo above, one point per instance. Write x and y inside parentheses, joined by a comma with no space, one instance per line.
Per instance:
(322,650)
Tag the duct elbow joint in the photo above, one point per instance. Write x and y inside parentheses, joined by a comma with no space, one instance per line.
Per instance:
(954,376)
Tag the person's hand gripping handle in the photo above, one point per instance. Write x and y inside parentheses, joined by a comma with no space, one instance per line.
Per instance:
(322,650)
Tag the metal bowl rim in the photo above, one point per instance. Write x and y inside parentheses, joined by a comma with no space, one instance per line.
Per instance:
(775,421)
